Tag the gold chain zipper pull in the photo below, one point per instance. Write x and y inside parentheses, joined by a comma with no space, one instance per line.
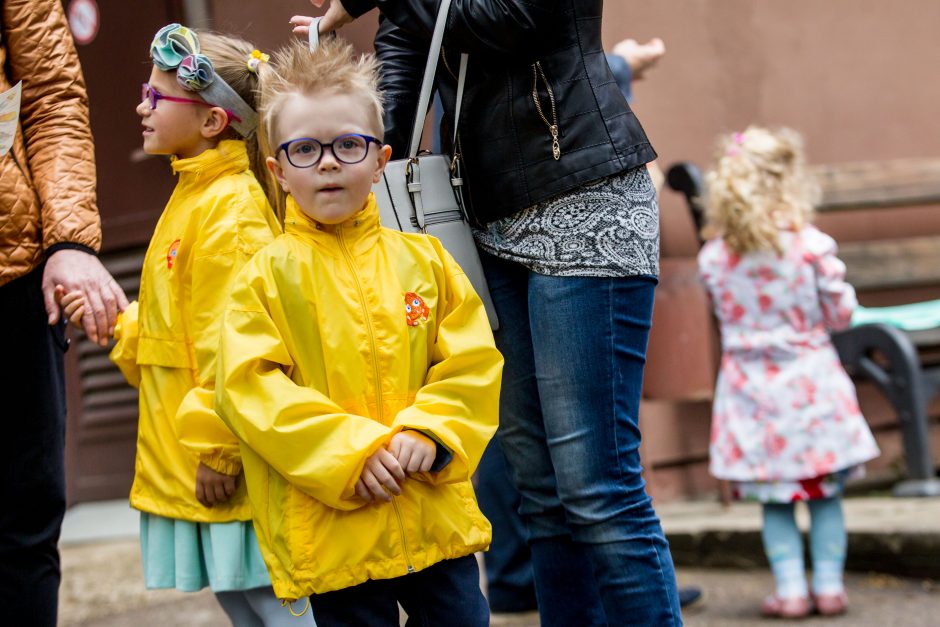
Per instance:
(556,145)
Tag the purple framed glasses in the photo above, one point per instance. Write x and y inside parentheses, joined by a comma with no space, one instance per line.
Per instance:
(152,96)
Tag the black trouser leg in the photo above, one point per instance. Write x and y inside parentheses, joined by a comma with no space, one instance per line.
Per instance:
(32,442)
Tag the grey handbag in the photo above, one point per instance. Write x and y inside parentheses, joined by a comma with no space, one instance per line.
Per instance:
(422,193)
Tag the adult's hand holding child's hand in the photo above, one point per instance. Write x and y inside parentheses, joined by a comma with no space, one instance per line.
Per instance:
(72,304)
(413,450)
(213,488)
(382,474)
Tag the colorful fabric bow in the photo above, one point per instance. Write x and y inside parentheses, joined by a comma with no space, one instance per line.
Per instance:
(176,47)
(171,45)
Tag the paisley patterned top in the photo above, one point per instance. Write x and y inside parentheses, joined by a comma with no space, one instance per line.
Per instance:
(608,228)
(784,409)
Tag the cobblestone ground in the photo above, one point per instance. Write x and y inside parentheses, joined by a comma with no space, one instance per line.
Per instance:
(102,587)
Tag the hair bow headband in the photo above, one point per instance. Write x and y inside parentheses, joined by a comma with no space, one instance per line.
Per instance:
(176,47)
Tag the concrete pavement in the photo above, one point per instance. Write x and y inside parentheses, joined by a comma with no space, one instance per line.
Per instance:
(102,583)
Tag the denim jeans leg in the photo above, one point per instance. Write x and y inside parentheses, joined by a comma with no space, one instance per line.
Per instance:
(589,338)
(564,579)
(508,563)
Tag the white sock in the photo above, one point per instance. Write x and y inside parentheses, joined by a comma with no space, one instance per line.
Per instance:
(827,577)
(790,578)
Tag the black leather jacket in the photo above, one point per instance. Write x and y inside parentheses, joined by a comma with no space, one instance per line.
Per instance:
(519,50)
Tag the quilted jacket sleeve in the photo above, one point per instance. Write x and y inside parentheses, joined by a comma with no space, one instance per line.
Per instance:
(54,120)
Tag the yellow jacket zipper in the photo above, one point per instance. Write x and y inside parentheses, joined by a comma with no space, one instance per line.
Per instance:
(378,383)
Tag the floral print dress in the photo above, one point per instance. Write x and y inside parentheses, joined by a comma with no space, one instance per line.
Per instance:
(785,424)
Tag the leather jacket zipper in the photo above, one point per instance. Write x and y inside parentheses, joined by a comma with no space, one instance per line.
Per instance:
(538,72)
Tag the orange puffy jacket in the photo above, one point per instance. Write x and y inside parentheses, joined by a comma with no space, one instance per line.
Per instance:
(47,180)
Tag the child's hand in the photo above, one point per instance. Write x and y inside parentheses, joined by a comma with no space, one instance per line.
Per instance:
(72,304)
(381,475)
(413,450)
(213,488)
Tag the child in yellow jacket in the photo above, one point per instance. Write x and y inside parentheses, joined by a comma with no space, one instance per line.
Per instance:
(358,369)
(198,107)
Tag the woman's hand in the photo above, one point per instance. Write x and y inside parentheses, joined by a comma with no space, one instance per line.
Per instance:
(334,18)
(213,488)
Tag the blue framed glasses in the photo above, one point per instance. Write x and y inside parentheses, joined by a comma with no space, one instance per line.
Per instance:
(306,152)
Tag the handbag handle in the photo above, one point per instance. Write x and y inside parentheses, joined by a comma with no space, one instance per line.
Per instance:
(427,82)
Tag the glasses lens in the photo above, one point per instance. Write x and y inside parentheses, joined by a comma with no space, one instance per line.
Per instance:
(303,153)
(350,148)
(149,94)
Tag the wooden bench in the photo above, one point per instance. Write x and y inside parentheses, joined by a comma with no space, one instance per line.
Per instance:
(904,365)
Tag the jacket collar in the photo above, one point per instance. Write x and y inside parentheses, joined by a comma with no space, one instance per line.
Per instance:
(229,157)
(358,231)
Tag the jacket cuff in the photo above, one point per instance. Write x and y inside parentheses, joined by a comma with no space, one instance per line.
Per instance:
(358,7)
(219,462)
(69,246)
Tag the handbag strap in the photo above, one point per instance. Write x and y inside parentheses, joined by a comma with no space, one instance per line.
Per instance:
(427,82)
(313,34)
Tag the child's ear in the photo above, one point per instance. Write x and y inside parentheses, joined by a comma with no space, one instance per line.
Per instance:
(385,153)
(216,121)
(278,173)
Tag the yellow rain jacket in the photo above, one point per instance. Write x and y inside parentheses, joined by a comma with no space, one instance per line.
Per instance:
(335,339)
(216,219)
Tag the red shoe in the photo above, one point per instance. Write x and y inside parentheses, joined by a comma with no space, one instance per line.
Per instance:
(831,604)
(793,607)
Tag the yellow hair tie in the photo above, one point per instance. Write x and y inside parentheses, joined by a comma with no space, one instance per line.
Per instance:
(256,59)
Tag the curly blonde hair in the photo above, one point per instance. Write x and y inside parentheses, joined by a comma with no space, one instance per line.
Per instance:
(758,186)
(333,66)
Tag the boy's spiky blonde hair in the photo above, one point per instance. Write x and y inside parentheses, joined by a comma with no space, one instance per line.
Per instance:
(333,66)
(294,69)
(759,185)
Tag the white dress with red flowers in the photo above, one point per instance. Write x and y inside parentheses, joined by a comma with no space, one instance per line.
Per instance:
(785,422)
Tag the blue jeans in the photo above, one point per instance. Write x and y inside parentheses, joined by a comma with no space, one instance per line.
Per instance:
(510,584)
(447,593)
(575,348)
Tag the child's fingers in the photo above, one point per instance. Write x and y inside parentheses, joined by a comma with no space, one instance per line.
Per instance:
(231,484)
(59,293)
(374,485)
(390,464)
(363,492)
(218,490)
(405,458)
(201,494)
(75,318)
(426,461)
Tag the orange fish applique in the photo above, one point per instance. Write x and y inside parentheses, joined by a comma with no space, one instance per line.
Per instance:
(415,309)
(171,254)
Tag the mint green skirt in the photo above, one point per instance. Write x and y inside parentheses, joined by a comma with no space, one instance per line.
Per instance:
(189,556)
